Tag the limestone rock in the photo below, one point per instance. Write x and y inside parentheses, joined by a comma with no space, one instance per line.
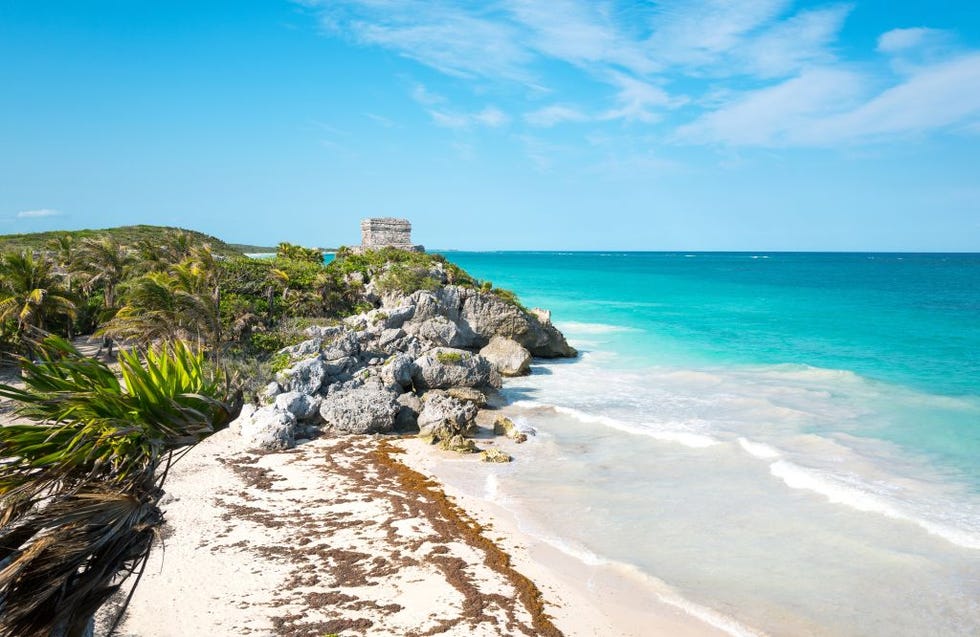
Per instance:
(443,417)
(505,427)
(509,357)
(489,315)
(439,331)
(306,349)
(246,413)
(360,410)
(408,412)
(397,316)
(444,367)
(268,393)
(305,377)
(344,345)
(298,404)
(494,455)
(468,394)
(269,429)
(398,371)
(459,444)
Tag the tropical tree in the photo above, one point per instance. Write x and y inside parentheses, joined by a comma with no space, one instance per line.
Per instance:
(159,255)
(80,485)
(104,264)
(31,293)
(182,303)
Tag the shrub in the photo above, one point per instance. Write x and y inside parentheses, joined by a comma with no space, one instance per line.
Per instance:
(449,358)
(406,280)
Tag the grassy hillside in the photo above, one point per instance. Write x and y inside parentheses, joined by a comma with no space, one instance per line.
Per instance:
(126,235)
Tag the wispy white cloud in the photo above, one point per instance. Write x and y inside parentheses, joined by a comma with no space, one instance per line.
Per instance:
(39,213)
(640,101)
(829,107)
(440,34)
(802,40)
(750,73)
(901,40)
(424,96)
(490,117)
(776,115)
(554,114)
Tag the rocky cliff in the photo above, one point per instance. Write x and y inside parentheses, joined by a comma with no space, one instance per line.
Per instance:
(422,360)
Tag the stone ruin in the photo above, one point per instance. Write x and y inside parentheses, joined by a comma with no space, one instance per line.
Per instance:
(387,232)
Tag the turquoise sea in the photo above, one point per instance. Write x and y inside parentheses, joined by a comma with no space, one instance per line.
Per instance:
(779,443)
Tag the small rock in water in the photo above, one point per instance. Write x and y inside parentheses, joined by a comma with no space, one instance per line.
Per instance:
(504,426)
(495,455)
(459,444)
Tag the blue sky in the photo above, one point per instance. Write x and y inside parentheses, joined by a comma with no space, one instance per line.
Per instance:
(502,124)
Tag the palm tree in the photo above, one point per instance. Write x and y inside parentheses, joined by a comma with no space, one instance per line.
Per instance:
(180,304)
(80,485)
(158,255)
(30,293)
(104,262)
(63,252)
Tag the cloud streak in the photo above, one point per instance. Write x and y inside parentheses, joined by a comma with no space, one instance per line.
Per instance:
(40,213)
(715,72)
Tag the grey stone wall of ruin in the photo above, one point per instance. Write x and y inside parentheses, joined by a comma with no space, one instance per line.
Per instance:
(387,232)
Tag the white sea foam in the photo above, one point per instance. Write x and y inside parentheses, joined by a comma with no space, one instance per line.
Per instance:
(710,617)
(575,327)
(491,487)
(661,590)
(758,449)
(686,438)
(838,492)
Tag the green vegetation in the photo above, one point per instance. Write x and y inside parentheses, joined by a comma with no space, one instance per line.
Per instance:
(146,285)
(449,358)
(81,484)
(298,253)
(125,235)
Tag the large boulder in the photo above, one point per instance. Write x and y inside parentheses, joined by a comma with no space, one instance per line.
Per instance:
(478,316)
(445,367)
(306,349)
(397,372)
(301,405)
(395,317)
(443,416)
(269,429)
(509,357)
(305,376)
(489,315)
(344,345)
(360,409)
(440,331)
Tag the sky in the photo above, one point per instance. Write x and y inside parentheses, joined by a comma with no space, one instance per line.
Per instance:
(498,124)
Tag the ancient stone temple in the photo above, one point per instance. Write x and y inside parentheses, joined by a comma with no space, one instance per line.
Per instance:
(387,232)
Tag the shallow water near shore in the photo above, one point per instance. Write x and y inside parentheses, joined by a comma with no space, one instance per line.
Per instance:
(788,443)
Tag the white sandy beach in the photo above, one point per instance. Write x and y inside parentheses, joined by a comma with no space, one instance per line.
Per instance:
(331,538)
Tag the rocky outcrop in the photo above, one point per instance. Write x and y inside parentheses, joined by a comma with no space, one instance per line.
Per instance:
(443,416)
(494,455)
(476,317)
(364,409)
(427,361)
(302,406)
(268,429)
(305,377)
(505,427)
(508,357)
(445,367)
